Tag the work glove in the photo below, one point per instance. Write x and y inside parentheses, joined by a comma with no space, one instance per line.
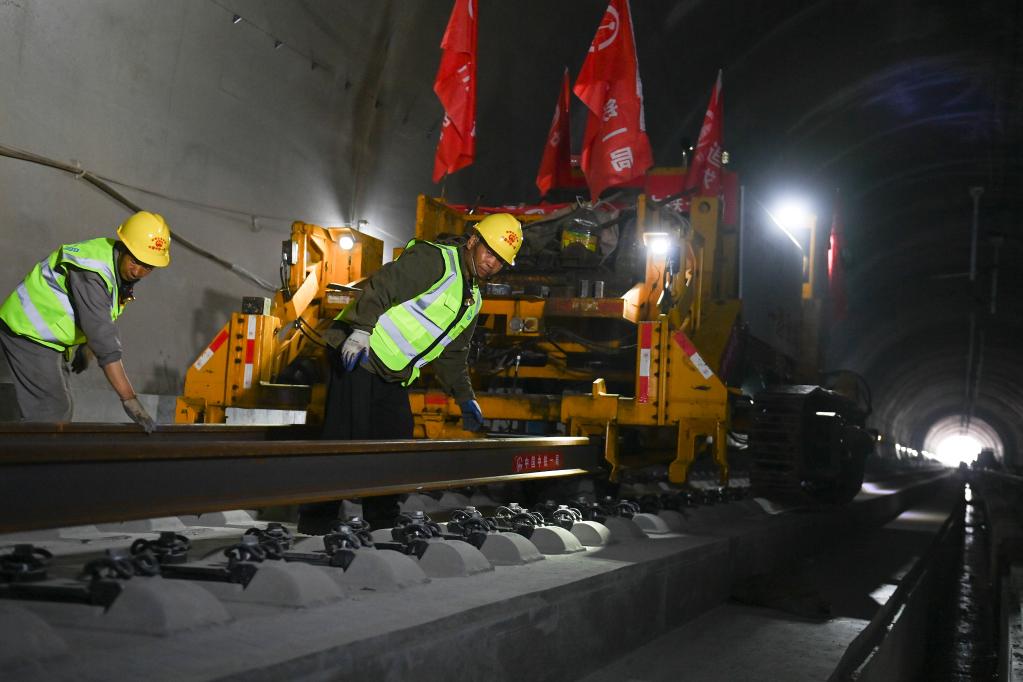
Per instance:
(133,408)
(354,348)
(334,336)
(80,360)
(472,416)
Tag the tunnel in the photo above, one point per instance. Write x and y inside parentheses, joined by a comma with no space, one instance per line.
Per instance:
(757,307)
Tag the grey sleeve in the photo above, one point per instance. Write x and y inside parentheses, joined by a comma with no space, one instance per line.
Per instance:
(91,303)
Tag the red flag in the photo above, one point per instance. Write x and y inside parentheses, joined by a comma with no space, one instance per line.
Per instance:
(615,147)
(455,86)
(836,269)
(704,176)
(556,165)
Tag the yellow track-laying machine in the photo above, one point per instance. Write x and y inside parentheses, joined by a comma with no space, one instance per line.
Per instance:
(621,321)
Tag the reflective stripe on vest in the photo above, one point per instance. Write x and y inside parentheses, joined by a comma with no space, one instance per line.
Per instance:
(40,308)
(418,330)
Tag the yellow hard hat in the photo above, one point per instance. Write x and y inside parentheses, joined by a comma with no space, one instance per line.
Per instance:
(147,237)
(502,232)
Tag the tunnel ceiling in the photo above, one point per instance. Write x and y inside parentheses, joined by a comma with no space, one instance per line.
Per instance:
(900,107)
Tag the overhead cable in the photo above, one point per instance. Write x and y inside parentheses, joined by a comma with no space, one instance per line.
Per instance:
(103,185)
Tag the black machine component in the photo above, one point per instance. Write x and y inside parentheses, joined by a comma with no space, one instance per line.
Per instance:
(255,305)
(352,533)
(558,514)
(120,564)
(683,499)
(411,533)
(592,511)
(610,506)
(513,518)
(469,524)
(808,444)
(339,545)
(23,575)
(277,536)
(566,516)
(413,526)
(252,549)
(169,548)
(26,564)
(170,551)
(651,504)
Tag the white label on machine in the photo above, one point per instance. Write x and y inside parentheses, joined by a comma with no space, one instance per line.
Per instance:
(694,356)
(250,350)
(203,359)
(644,362)
(211,350)
(645,343)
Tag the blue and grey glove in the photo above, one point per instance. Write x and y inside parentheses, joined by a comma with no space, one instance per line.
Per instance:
(354,348)
(472,416)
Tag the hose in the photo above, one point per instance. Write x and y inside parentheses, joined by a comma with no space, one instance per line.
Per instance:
(132,206)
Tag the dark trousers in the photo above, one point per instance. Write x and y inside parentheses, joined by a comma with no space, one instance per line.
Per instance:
(360,406)
(41,378)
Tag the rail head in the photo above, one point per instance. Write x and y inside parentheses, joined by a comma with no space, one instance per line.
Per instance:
(45,486)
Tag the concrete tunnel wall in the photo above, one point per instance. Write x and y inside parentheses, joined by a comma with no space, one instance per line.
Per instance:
(176,99)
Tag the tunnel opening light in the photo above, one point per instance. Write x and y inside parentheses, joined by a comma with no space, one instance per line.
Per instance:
(953,444)
(960,447)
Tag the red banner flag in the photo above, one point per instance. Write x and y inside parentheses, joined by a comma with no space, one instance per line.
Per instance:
(455,86)
(704,176)
(556,165)
(615,147)
(836,268)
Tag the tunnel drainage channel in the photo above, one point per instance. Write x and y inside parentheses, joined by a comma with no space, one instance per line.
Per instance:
(962,643)
(938,624)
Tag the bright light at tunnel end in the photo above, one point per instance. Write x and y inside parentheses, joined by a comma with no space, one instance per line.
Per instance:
(953,444)
(961,447)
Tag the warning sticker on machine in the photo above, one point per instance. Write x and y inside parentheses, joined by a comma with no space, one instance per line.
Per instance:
(645,343)
(250,351)
(689,349)
(546,461)
(210,350)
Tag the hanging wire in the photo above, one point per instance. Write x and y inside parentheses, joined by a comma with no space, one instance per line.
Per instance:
(104,186)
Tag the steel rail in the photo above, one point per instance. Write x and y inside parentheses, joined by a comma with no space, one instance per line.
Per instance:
(51,479)
(83,432)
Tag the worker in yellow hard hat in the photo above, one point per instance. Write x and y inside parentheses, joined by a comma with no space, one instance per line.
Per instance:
(64,311)
(418,309)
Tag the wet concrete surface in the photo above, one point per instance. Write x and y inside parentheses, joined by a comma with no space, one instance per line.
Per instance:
(794,623)
(740,644)
(962,642)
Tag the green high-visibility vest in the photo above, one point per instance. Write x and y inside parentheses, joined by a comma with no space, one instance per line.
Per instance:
(417,331)
(40,308)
